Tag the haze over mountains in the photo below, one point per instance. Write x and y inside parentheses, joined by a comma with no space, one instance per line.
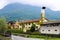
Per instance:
(18,11)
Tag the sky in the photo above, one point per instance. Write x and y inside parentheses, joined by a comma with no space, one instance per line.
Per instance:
(51,4)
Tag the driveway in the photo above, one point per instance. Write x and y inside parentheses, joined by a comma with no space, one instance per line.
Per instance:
(23,38)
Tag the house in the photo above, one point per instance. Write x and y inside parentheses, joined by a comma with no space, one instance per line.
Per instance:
(44,25)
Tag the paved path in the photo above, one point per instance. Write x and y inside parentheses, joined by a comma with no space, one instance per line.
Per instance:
(23,38)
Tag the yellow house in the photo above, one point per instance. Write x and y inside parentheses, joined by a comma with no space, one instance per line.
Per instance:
(28,23)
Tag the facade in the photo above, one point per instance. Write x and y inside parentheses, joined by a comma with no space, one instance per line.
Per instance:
(28,23)
(45,26)
(50,28)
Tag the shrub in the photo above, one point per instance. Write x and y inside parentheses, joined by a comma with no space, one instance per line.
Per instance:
(36,36)
(16,31)
(33,28)
(36,33)
(3,25)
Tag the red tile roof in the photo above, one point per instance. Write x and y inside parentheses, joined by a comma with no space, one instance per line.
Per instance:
(37,20)
(28,21)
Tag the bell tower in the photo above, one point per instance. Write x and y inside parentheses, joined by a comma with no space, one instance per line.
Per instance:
(42,18)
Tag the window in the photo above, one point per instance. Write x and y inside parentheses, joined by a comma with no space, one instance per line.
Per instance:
(42,30)
(29,23)
(48,30)
(55,30)
(26,23)
(47,26)
(29,27)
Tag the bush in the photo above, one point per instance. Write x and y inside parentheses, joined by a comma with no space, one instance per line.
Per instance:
(35,33)
(16,31)
(28,32)
(36,36)
(33,28)
(3,25)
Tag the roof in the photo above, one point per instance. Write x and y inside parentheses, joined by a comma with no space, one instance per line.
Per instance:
(37,20)
(29,21)
(52,21)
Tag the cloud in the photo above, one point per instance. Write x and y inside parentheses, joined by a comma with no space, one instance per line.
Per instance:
(3,3)
(52,4)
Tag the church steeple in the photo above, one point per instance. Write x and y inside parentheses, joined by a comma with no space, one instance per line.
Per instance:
(42,18)
(43,12)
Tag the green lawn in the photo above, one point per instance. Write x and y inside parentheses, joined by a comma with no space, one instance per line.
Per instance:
(53,38)
(36,36)
(42,37)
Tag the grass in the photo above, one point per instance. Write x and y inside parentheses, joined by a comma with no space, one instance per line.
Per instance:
(42,37)
(53,38)
(36,35)
(16,31)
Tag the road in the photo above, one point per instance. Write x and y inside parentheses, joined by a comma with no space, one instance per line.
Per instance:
(23,38)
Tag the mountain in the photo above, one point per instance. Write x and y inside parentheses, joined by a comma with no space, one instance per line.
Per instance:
(17,11)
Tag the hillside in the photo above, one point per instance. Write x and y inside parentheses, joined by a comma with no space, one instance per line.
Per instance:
(18,11)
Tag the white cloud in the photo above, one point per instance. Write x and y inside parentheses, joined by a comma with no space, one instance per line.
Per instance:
(3,3)
(52,4)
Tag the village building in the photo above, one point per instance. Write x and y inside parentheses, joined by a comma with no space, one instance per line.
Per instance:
(44,25)
(48,26)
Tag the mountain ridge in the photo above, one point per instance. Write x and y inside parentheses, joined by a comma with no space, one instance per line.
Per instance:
(18,11)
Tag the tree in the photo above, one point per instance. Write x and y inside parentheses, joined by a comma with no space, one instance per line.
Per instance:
(3,25)
(11,22)
(33,28)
